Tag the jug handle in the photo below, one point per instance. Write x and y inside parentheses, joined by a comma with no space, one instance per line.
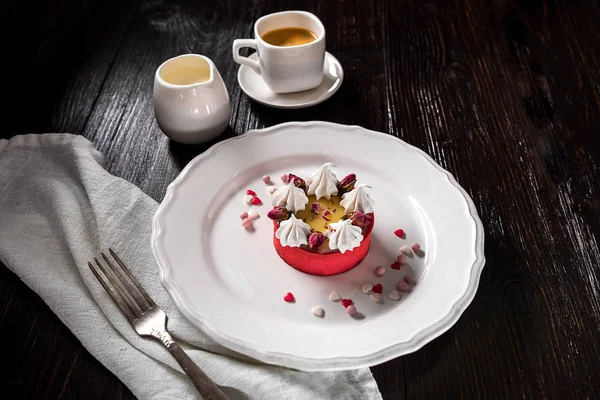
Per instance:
(237,45)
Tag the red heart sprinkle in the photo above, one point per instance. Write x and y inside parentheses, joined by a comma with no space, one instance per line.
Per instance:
(395,265)
(399,233)
(256,201)
(377,288)
(251,192)
(346,302)
(289,297)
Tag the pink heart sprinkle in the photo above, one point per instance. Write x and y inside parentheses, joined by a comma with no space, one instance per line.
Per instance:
(403,286)
(351,310)
(401,259)
(379,271)
(243,215)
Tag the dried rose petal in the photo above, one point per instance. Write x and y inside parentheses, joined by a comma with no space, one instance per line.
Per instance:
(315,240)
(278,213)
(298,182)
(361,219)
(347,184)
(316,207)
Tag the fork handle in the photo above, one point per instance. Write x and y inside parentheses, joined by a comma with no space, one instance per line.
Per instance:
(207,388)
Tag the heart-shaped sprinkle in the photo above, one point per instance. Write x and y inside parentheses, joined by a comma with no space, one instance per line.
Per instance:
(405,250)
(318,311)
(394,295)
(335,296)
(256,201)
(253,215)
(409,279)
(248,198)
(346,302)
(284,178)
(399,233)
(403,286)
(416,247)
(351,310)
(289,297)
(247,223)
(401,259)
(271,189)
(379,271)
(266,178)
(366,288)
(375,297)
(377,288)
(244,215)
(395,265)
(250,192)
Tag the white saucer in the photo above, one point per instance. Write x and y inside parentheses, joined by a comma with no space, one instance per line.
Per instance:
(255,87)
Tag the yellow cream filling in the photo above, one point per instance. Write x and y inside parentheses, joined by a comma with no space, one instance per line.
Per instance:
(320,213)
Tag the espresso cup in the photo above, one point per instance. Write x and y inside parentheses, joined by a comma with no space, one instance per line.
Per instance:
(286,69)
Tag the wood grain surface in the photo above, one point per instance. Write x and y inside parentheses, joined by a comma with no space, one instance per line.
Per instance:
(503,94)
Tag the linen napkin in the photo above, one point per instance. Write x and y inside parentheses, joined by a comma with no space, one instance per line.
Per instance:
(60,208)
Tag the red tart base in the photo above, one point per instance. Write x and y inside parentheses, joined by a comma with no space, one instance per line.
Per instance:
(326,264)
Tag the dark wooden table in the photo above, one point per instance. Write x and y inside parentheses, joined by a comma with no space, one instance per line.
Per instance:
(503,94)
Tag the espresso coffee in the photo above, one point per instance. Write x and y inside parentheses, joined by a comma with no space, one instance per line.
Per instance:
(285,37)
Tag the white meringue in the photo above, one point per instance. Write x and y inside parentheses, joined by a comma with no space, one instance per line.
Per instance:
(290,197)
(293,232)
(357,200)
(345,236)
(323,182)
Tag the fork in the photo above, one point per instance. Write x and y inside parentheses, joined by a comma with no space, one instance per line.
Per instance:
(148,319)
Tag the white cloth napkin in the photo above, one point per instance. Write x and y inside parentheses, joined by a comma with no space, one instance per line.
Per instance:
(58,209)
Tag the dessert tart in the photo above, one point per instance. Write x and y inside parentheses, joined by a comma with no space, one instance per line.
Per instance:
(322,226)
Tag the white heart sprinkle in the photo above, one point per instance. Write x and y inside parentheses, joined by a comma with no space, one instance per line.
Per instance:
(252,214)
(374,297)
(318,311)
(366,288)
(335,296)
(394,295)
(271,189)
(248,198)
(405,250)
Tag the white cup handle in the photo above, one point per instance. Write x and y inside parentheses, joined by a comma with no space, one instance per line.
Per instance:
(237,45)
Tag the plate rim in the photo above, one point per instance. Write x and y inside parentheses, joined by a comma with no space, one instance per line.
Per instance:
(333,363)
(305,104)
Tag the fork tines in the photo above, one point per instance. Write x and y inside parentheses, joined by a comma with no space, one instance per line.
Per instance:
(122,286)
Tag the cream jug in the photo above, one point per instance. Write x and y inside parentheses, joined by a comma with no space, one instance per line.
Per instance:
(191,102)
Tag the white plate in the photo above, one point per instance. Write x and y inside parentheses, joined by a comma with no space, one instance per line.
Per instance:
(230,282)
(255,87)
